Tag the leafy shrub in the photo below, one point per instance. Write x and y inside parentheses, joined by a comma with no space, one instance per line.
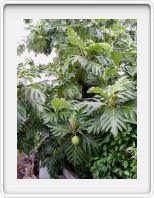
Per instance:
(118,159)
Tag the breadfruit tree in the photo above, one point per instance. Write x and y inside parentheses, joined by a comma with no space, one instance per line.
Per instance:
(83,119)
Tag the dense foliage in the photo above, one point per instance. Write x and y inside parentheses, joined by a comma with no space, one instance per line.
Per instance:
(85,118)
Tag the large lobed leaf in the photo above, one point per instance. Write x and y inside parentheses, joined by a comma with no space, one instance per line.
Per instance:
(112,120)
(59,130)
(75,154)
(90,144)
(35,97)
(74,39)
(129,111)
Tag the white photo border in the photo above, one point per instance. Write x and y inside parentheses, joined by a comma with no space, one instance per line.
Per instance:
(150,4)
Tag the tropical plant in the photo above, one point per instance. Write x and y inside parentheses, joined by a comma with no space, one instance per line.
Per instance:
(85,118)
